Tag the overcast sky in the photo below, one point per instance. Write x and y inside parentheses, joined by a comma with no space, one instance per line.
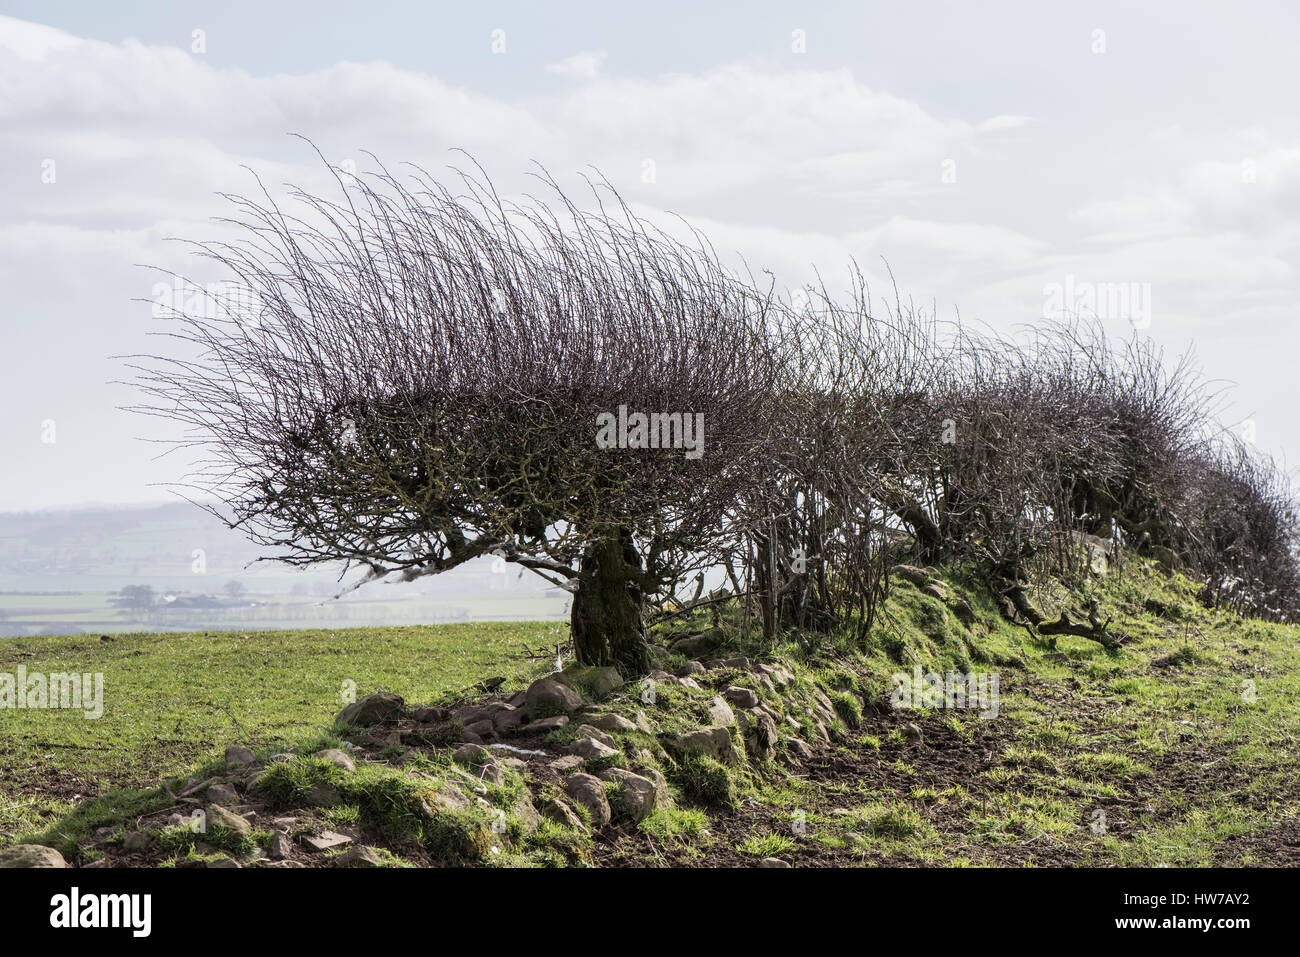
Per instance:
(989,152)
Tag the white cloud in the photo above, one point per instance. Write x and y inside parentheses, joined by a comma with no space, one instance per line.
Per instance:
(1253,192)
(737,126)
(32,42)
(580,66)
(997,124)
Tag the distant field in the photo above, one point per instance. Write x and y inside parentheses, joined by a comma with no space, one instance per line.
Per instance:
(34,613)
(174,700)
(61,569)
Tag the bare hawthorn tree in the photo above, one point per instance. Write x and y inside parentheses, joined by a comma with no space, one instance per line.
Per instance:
(417,377)
(817,542)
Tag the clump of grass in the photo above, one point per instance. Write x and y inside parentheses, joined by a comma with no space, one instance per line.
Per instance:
(668,823)
(766,845)
(456,837)
(180,840)
(508,793)
(1107,763)
(848,707)
(289,782)
(553,845)
(893,822)
(342,815)
(1032,759)
(705,781)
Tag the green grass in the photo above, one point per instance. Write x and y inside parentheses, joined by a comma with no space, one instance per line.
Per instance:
(175,701)
(767,845)
(1194,692)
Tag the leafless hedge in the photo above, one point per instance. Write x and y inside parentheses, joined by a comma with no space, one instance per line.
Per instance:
(418,375)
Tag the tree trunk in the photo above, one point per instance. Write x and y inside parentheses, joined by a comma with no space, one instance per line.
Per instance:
(606,622)
(929,539)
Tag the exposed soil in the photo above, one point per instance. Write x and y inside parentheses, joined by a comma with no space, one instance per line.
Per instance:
(1276,847)
(948,759)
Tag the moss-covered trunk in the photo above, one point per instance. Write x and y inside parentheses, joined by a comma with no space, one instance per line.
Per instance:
(606,620)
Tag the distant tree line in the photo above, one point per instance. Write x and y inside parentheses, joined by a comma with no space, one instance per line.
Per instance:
(143,600)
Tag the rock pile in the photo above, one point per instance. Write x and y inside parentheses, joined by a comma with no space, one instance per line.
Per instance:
(570,749)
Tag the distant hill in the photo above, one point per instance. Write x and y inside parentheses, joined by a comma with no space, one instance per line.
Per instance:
(61,571)
(130,540)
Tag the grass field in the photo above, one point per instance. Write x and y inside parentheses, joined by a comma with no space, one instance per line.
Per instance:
(1179,749)
(172,701)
